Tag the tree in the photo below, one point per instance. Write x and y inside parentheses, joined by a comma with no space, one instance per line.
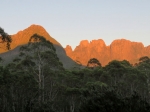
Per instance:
(144,59)
(17,90)
(111,101)
(144,66)
(93,62)
(116,69)
(39,58)
(5,38)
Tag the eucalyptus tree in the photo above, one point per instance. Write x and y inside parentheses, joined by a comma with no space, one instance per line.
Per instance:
(17,88)
(126,78)
(144,66)
(111,101)
(93,62)
(116,70)
(39,58)
(5,38)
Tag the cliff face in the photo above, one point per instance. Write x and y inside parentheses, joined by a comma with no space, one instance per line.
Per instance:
(68,49)
(22,37)
(118,50)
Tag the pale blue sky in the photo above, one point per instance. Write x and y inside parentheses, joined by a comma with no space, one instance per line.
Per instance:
(70,21)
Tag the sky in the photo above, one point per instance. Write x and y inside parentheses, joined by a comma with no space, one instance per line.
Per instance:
(70,21)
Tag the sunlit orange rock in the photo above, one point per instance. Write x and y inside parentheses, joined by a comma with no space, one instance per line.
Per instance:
(68,49)
(120,49)
(22,37)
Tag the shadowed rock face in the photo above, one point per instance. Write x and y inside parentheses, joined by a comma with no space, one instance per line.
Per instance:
(67,61)
(22,38)
(118,50)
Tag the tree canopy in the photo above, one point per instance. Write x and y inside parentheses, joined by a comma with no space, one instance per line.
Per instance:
(93,62)
(35,81)
(5,38)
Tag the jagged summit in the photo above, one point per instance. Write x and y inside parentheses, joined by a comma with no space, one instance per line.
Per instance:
(119,49)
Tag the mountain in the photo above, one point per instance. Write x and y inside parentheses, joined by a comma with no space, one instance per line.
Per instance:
(120,49)
(22,38)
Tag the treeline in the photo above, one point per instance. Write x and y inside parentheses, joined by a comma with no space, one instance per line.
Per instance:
(37,82)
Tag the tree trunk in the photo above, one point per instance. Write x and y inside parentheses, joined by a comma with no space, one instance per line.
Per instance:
(40,82)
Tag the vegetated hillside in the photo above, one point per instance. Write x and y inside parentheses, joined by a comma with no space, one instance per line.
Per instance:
(120,49)
(22,37)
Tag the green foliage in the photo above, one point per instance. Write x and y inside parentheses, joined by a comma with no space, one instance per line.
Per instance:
(93,62)
(37,82)
(5,38)
(144,59)
(111,101)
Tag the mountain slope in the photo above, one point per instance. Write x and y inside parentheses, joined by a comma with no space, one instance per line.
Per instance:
(120,49)
(22,37)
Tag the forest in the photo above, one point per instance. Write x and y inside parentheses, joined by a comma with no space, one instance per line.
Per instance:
(36,81)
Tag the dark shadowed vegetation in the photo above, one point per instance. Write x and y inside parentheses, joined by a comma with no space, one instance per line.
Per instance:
(36,81)
(5,39)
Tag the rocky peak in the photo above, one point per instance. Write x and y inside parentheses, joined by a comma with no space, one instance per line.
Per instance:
(23,36)
(120,49)
(98,42)
(125,42)
(84,43)
(68,47)
(68,50)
